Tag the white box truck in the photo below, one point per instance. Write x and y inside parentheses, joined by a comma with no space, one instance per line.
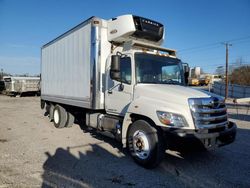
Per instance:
(116,74)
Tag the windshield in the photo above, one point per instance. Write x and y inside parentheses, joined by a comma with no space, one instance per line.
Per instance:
(157,69)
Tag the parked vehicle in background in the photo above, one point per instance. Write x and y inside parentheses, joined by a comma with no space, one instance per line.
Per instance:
(197,77)
(215,78)
(117,76)
(204,80)
(2,86)
(19,85)
(193,82)
(194,74)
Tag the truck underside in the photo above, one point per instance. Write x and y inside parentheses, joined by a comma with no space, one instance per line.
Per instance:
(142,131)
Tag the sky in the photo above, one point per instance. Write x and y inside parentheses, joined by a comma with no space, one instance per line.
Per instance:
(195,28)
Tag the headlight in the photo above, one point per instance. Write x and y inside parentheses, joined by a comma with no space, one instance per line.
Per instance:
(172,119)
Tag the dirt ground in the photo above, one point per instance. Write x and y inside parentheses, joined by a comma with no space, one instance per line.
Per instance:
(33,153)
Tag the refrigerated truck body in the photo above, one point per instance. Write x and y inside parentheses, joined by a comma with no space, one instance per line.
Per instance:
(116,74)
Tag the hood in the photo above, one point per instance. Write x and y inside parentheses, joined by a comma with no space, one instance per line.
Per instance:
(171,93)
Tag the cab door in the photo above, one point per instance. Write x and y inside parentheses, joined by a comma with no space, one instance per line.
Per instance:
(119,94)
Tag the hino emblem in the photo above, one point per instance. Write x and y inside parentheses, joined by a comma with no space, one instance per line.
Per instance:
(214,102)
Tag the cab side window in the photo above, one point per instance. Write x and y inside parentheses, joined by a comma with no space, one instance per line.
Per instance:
(126,70)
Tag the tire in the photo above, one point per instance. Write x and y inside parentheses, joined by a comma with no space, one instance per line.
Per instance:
(51,111)
(60,116)
(70,120)
(42,104)
(47,109)
(145,144)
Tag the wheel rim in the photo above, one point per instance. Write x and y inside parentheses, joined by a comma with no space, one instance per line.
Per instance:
(56,116)
(141,144)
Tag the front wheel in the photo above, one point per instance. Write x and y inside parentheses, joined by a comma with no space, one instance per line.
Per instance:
(145,144)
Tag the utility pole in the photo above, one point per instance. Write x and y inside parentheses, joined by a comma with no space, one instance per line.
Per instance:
(226,74)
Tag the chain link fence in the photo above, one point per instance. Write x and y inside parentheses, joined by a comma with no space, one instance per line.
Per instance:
(234,91)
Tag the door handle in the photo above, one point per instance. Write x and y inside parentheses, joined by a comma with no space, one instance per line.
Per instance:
(121,87)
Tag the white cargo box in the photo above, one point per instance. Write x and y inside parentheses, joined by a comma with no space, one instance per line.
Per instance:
(73,63)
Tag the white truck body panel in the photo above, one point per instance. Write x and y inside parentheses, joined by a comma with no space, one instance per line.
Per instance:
(73,63)
(167,98)
(66,67)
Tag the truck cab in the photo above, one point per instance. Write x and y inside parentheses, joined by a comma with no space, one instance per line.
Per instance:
(148,84)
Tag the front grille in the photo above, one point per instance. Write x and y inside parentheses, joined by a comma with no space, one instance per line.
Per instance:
(208,112)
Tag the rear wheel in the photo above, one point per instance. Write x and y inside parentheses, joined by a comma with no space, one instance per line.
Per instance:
(70,120)
(51,111)
(60,116)
(145,144)
(42,104)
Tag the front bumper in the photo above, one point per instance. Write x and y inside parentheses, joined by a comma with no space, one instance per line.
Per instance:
(198,139)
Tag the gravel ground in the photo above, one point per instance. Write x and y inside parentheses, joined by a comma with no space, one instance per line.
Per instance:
(35,154)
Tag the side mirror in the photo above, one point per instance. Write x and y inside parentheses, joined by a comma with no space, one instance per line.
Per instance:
(115,70)
(186,70)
